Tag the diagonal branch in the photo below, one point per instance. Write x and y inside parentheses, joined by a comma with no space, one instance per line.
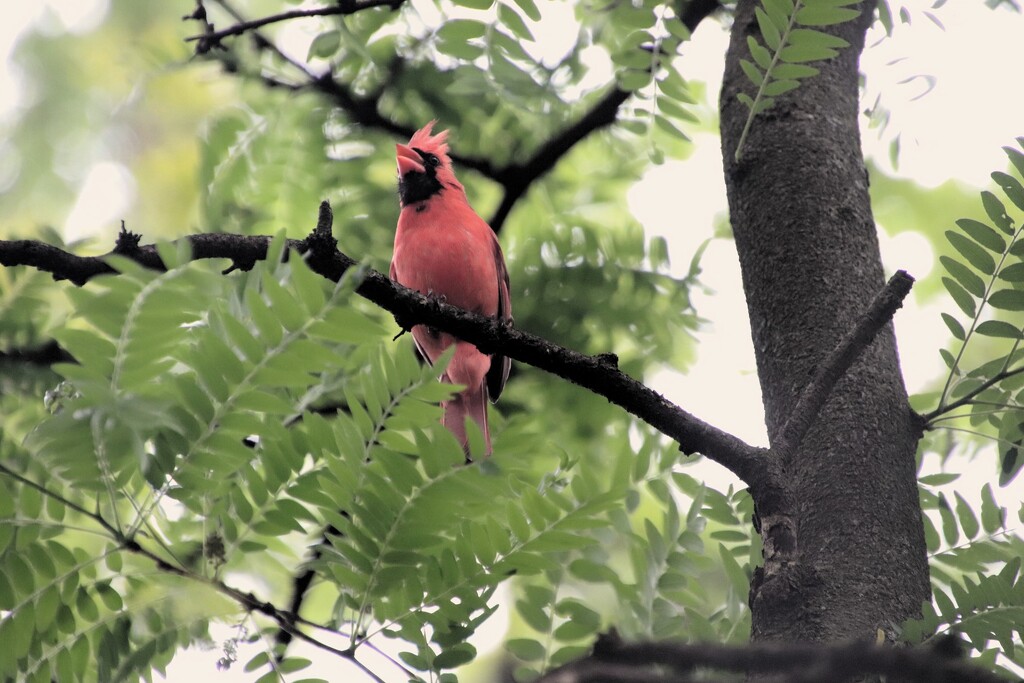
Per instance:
(968,398)
(881,310)
(212,38)
(600,374)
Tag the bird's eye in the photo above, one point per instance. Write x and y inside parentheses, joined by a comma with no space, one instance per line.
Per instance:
(431,160)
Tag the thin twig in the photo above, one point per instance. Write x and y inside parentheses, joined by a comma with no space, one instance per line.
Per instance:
(814,395)
(966,398)
(211,38)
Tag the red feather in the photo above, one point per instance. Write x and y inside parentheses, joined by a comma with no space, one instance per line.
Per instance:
(444,249)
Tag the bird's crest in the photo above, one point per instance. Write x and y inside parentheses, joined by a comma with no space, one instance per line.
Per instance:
(422,139)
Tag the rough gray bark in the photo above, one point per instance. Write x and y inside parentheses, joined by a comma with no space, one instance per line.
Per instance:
(810,260)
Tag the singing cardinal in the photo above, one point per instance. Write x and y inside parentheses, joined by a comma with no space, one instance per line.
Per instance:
(443,249)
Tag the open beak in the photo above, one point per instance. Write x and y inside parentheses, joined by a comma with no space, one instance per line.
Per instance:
(408,160)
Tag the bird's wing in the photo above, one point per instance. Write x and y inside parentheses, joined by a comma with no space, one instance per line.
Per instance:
(497,375)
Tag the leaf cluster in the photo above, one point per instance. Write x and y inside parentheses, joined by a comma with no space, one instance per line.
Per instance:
(792,38)
(985,279)
(656,569)
(977,588)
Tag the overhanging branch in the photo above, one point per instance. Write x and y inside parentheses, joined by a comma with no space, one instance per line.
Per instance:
(600,374)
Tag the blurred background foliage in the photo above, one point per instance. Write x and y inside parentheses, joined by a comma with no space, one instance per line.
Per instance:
(122,120)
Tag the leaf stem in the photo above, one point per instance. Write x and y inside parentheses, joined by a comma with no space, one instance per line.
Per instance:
(974,324)
(764,82)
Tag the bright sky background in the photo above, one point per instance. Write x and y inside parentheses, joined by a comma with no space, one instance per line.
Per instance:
(955,131)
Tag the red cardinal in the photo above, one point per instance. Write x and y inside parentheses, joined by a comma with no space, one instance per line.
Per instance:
(445,250)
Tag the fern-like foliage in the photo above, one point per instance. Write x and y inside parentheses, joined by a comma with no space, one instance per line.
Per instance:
(216,426)
(977,586)
(660,562)
(184,418)
(789,29)
(985,278)
(978,590)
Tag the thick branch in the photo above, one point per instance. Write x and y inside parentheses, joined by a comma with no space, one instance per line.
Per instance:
(599,374)
(881,310)
(798,663)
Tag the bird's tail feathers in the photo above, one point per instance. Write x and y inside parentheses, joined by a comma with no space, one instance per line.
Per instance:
(472,404)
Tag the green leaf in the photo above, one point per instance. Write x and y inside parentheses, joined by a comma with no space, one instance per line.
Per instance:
(592,572)
(760,54)
(960,296)
(529,8)
(1011,187)
(996,211)
(945,605)
(461,29)
(806,53)
(954,326)
(324,45)
(475,4)
(810,37)
(780,12)
(992,516)
(949,528)
(1007,299)
(737,577)
(763,104)
(940,479)
(968,522)
(753,73)
(769,32)
(776,88)
(983,235)
(669,127)
(1012,273)
(632,79)
(794,71)
(964,275)
(1016,158)
(526,649)
(999,328)
(678,29)
(975,255)
(1011,462)
(823,15)
(514,23)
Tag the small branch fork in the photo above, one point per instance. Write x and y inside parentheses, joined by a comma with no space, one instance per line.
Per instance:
(867,327)
(515,178)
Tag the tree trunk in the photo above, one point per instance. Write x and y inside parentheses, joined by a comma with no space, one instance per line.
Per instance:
(808,249)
